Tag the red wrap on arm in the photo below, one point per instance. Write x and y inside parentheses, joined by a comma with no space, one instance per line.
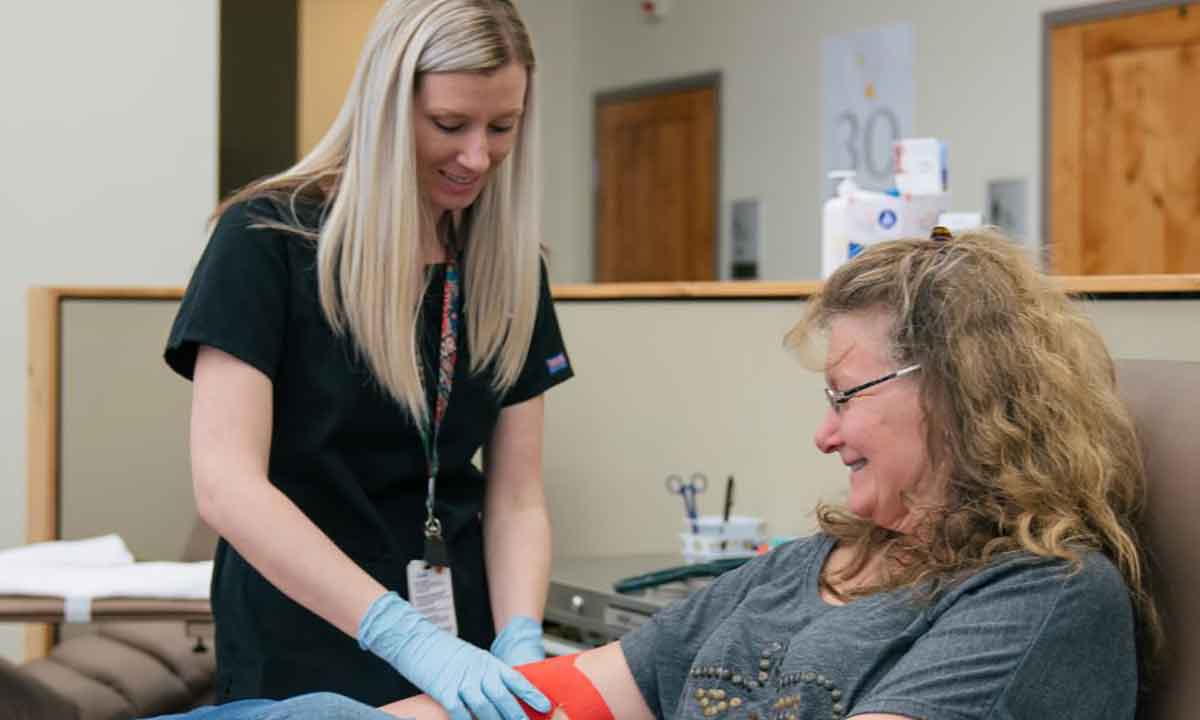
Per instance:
(567,688)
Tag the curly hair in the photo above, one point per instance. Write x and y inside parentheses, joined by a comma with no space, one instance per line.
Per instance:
(1023,420)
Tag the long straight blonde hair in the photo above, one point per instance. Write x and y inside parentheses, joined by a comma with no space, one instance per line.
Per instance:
(370,266)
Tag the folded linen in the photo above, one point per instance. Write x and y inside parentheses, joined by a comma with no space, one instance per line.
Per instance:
(136,580)
(103,551)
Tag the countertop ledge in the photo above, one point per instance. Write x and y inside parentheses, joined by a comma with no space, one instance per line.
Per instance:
(1115,285)
(1102,285)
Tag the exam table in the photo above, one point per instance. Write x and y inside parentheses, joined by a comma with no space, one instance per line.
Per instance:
(145,657)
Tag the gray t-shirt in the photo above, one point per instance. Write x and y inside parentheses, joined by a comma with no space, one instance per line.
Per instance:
(1023,638)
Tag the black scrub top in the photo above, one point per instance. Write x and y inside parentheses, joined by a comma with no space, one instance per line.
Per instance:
(344,452)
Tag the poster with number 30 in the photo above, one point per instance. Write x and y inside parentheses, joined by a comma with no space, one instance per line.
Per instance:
(867,92)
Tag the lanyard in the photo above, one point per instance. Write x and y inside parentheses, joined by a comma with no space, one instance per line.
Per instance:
(447,354)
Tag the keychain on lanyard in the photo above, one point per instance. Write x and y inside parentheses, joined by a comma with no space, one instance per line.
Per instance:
(436,551)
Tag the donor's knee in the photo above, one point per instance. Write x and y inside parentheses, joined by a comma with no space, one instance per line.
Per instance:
(324,705)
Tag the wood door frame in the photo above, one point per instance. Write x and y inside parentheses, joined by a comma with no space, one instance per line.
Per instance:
(1052,21)
(709,80)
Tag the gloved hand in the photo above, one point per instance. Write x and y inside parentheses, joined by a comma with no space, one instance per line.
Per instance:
(520,641)
(458,675)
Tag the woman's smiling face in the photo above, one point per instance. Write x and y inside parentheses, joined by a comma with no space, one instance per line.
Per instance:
(879,433)
(464,125)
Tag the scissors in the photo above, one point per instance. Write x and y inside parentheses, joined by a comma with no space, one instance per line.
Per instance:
(697,483)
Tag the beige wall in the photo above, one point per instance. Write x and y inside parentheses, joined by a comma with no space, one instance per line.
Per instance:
(565,147)
(108,140)
(661,387)
(680,387)
(123,428)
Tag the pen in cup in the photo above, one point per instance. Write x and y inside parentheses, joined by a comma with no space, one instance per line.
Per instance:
(728,507)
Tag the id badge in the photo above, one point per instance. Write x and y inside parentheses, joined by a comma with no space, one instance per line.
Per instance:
(431,592)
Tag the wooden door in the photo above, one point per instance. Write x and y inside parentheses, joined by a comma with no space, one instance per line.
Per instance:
(657,187)
(1124,185)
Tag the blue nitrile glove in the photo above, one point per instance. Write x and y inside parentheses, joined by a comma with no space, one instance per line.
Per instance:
(458,675)
(520,641)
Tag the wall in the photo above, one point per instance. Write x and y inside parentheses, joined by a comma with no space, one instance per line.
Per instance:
(123,428)
(109,142)
(661,387)
(978,87)
(565,145)
(687,386)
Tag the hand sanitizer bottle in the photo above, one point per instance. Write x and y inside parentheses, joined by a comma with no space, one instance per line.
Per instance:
(835,224)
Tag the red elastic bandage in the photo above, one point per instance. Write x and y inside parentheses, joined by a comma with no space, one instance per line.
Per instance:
(567,688)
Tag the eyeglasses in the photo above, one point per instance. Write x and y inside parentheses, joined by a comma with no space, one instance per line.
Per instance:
(837,398)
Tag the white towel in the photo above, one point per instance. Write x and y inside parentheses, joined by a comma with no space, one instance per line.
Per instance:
(140,580)
(104,551)
(96,568)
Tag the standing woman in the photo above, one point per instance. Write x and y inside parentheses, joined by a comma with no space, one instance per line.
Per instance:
(358,327)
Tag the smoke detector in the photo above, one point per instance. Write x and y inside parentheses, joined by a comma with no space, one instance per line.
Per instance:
(655,10)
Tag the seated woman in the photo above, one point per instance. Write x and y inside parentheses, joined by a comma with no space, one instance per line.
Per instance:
(985,563)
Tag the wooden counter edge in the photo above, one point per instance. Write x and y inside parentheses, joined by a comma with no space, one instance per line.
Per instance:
(731,290)
(1074,284)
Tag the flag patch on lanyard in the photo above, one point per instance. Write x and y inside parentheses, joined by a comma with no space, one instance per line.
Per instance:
(556,363)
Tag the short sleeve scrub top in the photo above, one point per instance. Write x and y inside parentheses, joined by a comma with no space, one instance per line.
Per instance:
(344,452)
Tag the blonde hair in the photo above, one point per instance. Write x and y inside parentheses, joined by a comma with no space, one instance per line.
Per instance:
(1023,420)
(370,266)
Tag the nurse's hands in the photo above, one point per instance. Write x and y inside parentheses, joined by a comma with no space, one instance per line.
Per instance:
(464,679)
(520,642)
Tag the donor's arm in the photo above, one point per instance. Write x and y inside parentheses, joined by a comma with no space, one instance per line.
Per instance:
(594,685)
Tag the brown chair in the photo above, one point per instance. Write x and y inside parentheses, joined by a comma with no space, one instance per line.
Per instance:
(1164,398)
(23,697)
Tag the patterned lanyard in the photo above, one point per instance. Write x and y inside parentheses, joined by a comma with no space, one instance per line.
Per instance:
(447,355)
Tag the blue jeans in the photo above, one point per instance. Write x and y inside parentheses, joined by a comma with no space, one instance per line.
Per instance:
(318,706)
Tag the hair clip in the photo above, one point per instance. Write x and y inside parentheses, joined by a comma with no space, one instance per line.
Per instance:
(940,232)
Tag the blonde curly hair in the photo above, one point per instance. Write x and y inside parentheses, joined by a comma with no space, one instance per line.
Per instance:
(1023,420)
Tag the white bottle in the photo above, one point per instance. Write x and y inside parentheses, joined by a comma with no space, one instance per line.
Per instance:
(835,224)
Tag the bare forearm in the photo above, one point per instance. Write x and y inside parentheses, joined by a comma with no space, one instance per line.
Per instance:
(419,707)
(608,671)
(422,707)
(518,560)
(232,409)
(516,520)
(291,552)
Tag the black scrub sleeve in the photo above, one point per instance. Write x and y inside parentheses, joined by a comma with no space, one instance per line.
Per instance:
(237,299)
(547,363)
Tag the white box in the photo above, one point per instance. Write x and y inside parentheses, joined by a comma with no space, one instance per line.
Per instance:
(920,166)
(714,539)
